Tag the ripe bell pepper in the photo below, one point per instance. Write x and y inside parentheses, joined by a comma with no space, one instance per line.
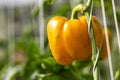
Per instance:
(69,40)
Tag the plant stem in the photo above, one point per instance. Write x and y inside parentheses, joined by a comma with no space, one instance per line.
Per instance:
(88,3)
(117,74)
(80,8)
(95,74)
(95,51)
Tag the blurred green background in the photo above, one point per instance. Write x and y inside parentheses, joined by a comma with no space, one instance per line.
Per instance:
(24,49)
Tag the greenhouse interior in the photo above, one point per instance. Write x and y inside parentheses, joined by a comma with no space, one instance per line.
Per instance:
(59,39)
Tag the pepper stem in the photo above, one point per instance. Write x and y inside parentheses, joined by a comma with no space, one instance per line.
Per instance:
(80,8)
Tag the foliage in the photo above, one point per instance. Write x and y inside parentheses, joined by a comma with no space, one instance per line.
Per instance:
(37,65)
(41,66)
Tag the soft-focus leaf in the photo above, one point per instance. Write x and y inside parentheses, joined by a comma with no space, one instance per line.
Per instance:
(63,10)
(51,65)
(34,59)
(33,50)
(49,2)
(34,12)
(9,72)
(117,75)
(52,77)
(62,75)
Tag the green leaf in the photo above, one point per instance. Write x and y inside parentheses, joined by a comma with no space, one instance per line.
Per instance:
(62,75)
(10,71)
(33,59)
(34,12)
(49,2)
(52,77)
(81,64)
(3,44)
(50,65)
(33,50)
(62,10)
(69,75)
(118,16)
(117,75)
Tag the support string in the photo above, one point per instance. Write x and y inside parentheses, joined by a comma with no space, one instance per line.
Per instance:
(107,41)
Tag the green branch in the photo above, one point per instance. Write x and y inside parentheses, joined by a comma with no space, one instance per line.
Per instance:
(95,51)
(83,9)
(80,8)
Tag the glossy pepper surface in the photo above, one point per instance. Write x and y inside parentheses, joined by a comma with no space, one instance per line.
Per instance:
(55,37)
(69,40)
(77,40)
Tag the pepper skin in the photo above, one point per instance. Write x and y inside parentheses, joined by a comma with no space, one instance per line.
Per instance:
(69,40)
(55,37)
(77,40)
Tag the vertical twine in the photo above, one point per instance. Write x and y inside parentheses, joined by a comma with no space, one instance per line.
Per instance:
(107,41)
(11,33)
(116,24)
(41,24)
